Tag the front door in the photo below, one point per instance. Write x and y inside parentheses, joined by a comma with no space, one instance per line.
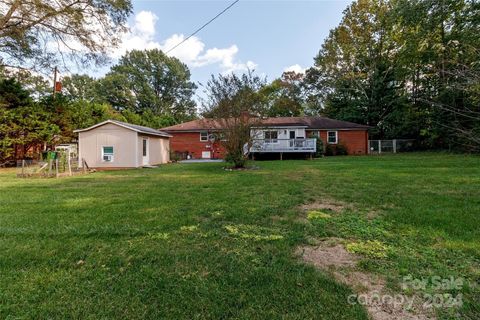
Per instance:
(145,151)
(292,135)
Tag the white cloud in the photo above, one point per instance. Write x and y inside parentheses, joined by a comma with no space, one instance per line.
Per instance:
(145,22)
(295,68)
(192,52)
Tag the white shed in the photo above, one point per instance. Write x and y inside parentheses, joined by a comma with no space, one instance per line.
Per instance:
(116,144)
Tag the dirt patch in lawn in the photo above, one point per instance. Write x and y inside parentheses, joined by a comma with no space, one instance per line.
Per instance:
(330,255)
(325,205)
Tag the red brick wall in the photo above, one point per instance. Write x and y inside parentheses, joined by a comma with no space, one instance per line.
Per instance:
(190,142)
(356,141)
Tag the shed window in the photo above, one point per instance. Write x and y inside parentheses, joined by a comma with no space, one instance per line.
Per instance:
(332,137)
(204,136)
(107,154)
(271,136)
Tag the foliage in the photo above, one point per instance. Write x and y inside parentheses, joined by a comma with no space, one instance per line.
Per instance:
(151,82)
(284,96)
(43,33)
(320,146)
(336,150)
(409,68)
(370,248)
(28,123)
(237,105)
(24,123)
(317,214)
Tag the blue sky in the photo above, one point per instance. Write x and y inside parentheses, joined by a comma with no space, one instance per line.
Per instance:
(268,36)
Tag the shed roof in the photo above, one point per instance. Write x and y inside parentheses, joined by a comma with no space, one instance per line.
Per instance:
(133,127)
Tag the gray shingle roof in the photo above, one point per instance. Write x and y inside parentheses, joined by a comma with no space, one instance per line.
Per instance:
(134,127)
(308,122)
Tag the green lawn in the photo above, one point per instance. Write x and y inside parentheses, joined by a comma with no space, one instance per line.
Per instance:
(195,241)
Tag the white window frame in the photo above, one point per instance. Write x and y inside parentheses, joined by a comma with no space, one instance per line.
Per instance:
(270,140)
(204,139)
(336,137)
(112,154)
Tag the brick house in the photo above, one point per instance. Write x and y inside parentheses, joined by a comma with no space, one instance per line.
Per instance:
(274,135)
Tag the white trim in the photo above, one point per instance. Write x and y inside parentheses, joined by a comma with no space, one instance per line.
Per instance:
(147,151)
(206,132)
(123,126)
(103,153)
(137,137)
(336,137)
(80,162)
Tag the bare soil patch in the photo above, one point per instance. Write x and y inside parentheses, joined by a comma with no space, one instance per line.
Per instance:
(325,205)
(330,255)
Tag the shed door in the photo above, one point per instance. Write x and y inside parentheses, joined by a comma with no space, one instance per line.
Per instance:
(145,151)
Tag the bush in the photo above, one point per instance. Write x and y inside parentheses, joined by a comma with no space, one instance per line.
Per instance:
(236,158)
(336,150)
(320,147)
(174,156)
(341,150)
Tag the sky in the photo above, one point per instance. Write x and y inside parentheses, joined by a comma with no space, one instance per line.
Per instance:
(267,36)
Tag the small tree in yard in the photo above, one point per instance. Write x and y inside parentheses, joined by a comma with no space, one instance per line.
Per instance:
(234,101)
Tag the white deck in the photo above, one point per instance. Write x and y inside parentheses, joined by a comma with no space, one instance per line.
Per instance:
(284,145)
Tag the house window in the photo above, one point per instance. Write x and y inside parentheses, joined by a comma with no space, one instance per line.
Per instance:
(315,134)
(107,154)
(204,136)
(272,136)
(332,137)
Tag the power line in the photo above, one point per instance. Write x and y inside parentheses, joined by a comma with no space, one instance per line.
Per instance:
(206,24)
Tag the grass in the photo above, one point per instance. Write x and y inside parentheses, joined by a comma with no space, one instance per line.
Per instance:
(194,241)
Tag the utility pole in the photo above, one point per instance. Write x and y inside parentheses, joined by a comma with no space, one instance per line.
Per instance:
(54,81)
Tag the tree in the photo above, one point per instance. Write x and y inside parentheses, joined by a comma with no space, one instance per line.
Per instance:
(151,82)
(80,87)
(41,32)
(439,49)
(284,96)
(236,103)
(355,71)
(23,123)
(409,68)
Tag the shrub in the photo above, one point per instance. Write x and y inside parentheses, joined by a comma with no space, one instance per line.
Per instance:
(341,150)
(336,150)
(236,158)
(174,156)
(320,147)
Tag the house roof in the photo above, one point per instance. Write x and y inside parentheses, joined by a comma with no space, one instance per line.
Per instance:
(306,122)
(133,127)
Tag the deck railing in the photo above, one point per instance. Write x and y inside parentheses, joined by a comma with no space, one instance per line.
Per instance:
(284,145)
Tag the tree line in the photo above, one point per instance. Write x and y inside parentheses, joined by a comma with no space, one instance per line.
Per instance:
(407,68)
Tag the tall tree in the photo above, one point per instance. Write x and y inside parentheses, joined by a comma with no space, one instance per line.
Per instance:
(237,104)
(439,49)
(284,96)
(80,87)
(23,123)
(151,82)
(46,32)
(355,71)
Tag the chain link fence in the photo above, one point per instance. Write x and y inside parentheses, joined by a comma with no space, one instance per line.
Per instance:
(390,146)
